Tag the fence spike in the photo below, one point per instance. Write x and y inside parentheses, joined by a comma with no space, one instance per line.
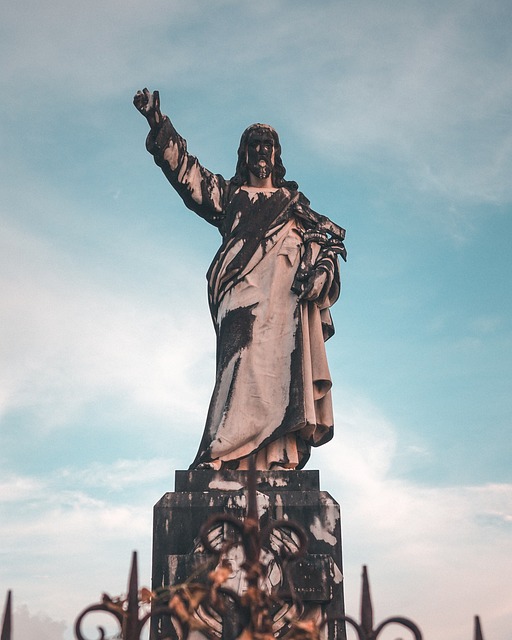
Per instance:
(131,630)
(366,604)
(6,623)
(478,629)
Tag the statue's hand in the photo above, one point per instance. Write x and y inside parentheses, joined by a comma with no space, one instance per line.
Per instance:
(314,285)
(149,105)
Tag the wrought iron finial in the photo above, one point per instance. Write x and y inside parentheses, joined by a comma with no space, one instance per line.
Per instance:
(478,629)
(127,610)
(364,629)
(6,622)
(366,604)
(131,620)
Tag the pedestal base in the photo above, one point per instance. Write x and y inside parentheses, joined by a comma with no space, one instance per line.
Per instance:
(290,495)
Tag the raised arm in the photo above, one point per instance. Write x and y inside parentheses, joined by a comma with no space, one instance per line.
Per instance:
(201,190)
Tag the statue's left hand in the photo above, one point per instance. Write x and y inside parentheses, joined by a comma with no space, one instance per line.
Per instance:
(314,285)
(149,105)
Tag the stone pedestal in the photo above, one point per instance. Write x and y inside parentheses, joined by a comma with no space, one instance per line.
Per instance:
(289,495)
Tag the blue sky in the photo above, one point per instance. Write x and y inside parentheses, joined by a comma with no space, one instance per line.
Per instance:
(395,120)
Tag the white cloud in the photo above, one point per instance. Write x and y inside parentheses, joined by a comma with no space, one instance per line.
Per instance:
(38,626)
(67,522)
(18,488)
(69,339)
(418,92)
(438,555)
(62,547)
(422,92)
(120,475)
(486,324)
(89,49)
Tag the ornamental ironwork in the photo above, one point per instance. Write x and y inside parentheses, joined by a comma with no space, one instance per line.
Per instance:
(267,606)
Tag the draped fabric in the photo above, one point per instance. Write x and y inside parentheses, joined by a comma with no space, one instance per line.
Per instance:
(272,391)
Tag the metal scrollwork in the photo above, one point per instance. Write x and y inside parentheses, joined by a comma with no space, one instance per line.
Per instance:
(364,629)
(126,612)
(255,606)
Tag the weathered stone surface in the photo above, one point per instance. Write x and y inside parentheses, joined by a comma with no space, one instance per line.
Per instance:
(204,480)
(294,496)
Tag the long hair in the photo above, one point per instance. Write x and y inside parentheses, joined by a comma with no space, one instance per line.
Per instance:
(242,172)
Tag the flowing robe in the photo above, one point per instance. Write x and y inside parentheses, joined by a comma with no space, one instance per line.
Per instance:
(272,391)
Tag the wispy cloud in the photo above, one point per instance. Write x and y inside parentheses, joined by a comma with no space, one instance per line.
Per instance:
(120,475)
(87,51)
(417,91)
(417,540)
(416,99)
(63,536)
(18,488)
(68,339)
(29,625)
(429,549)
(486,324)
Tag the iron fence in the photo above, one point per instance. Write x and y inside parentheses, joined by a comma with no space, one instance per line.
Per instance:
(130,612)
(243,616)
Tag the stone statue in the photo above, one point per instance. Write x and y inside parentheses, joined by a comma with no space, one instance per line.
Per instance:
(270,287)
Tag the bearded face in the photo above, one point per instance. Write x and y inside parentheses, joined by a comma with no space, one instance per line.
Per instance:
(260,153)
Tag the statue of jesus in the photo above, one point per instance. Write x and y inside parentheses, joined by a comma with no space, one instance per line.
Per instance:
(270,287)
